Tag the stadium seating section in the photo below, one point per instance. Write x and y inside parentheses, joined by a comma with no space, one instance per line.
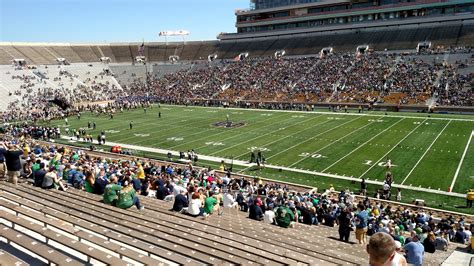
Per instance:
(76,227)
(380,39)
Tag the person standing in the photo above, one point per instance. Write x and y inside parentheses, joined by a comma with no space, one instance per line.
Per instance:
(131,125)
(361,224)
(363,187)
(345,225)
(12,160)
(469,198)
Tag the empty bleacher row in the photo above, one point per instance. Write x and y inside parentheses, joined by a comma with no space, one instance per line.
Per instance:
(401,38)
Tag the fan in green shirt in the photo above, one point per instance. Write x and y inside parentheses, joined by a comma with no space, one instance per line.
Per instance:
(209,204)
(125,197)
(111,191)
(284,216)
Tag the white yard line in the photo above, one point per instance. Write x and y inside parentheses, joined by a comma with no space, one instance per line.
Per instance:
(427,150)
(329,144)
(462,159)
(394,146)
(362,145)
(334,113)
(246,164)
(272,132)
(287,136)
(302,142)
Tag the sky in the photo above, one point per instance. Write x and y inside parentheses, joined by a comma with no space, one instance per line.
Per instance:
(99,21)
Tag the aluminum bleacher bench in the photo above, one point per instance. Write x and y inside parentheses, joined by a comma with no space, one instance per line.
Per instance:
(8,259)
(206,252)
(84,252)
(42,251)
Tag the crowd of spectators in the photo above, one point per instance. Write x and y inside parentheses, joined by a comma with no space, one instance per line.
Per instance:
(369,78)
(201,192)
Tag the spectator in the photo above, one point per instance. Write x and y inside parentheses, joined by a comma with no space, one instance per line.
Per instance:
(111,191)
(361,224)
(442,242)
(51,180)
(255,212)
(284,217)
(195,207)
(12,160)
(269,216)
(414,251)
(345,226)
(209,204)
(382,251)
(180,202)
(39,175)
(89,182)
(460,236)
(229,201)
(430,243)
(127,197)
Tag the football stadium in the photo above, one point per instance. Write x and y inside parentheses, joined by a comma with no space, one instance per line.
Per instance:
(321,132)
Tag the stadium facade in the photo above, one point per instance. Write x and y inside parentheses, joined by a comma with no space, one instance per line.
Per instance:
(278,16)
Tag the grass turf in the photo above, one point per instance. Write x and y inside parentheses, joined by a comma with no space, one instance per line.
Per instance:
(425,151)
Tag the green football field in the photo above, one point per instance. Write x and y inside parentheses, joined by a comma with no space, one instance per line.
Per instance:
(427,152)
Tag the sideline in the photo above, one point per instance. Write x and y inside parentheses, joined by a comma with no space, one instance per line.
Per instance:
(368,113)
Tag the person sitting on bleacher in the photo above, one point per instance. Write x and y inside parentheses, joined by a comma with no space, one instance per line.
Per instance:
(111,191)
(284,217)
(229,201)
(180,201)
(39,175)
(210,204)
(241,201)
(127,197)
(195,208)
(255,212)
(51,180)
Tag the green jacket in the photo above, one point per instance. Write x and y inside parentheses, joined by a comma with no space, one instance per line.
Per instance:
(284,216)
(125,198)
(110,193)
(209,204)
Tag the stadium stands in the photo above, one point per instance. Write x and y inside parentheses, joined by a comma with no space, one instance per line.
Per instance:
(403,37)
(86,53)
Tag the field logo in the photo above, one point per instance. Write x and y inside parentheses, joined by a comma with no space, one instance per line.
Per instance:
(420,123)
(254,148)
(214,143)
(266,114)
(315,156)
(298,116)
(376,120)
(112,131)
(141,135)
(335,118)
